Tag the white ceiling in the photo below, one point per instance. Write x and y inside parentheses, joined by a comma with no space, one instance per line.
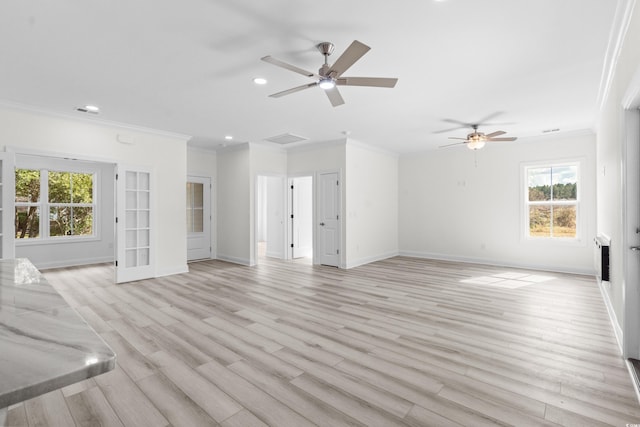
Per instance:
(187,66)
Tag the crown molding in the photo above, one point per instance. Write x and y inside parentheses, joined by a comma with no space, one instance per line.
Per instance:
(631,97)
(619,27)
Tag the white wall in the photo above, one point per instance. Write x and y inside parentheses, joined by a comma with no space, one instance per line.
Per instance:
(371,204)
(204,163)
(56,253)
(305,160)
(233,205)
(609,151)
(92,140)
(463,205)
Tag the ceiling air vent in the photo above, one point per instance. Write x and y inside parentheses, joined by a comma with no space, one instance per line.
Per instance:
(286,138)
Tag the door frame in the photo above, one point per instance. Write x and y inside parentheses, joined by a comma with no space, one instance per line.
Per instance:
(14,150)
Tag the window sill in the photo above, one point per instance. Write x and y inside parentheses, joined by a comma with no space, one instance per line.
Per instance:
(56,241)
(554,241)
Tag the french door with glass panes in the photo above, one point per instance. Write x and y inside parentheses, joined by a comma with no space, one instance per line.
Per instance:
(135,252)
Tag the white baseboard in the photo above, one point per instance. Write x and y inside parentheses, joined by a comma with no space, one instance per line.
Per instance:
(72,262)
(274,254)
(634,378)
(368,260)
(617,329)
(235,260)
(162,272)
(498,263)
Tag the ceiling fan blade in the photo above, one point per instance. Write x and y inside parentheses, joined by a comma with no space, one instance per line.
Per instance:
(334,96)
(458,122)
(513,138)
(449,130)
(451,145)
(349,57)
(367,81)
(482,122)
(489,117)
(496,133)
(277,62)
(293,90)
(453,137)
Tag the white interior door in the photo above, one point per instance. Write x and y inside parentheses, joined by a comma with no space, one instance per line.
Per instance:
(631,213)
(328,219)
(198,218)
(134,225)
(301,200)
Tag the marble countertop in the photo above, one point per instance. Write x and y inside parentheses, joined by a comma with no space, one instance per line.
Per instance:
(44,343)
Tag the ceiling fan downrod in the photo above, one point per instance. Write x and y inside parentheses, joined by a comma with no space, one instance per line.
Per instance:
(327,81)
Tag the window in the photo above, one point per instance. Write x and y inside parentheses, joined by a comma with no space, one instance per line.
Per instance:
(65,198)
(27,204)
(552,206)
(195,207)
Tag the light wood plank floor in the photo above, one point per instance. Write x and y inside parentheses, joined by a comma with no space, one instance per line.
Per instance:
(401,342)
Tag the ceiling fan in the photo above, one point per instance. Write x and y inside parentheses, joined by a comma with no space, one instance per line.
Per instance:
(476,140)
(330,76)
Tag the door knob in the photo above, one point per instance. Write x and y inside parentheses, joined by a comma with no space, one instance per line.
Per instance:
(322,224)
(635,248)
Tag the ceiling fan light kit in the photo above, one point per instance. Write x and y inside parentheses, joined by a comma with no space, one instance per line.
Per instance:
(327,83)
(330,76)
(475,145)
(476,140)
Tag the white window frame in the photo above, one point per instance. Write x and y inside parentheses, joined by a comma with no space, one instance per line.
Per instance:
(524,175)
(46,165)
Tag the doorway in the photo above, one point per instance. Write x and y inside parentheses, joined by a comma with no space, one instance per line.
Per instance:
(77,232)
(270,217)
(301,218)
(198,218)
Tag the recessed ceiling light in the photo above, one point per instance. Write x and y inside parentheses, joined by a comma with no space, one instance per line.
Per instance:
(89,109)
(228,137)
(260,81)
